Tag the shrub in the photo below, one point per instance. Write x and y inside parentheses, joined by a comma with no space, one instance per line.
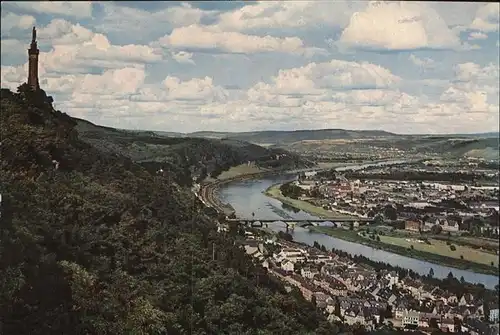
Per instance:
(452,247)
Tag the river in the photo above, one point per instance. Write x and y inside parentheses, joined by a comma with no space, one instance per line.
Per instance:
(246,197)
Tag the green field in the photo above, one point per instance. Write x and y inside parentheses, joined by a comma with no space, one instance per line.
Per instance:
(239,171)
(274,192)
(438,253)
(439,247)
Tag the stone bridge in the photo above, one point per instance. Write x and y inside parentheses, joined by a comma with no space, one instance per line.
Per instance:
(290,223)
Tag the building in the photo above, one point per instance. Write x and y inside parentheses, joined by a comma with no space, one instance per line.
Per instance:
(410,319)
(494,315)
(287,265)
(412,225)
(33,53)
(307,272)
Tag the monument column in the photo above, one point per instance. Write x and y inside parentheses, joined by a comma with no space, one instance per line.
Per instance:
(33,62)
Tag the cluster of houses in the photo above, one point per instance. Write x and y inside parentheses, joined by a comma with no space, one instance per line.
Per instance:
(355,293)
(422,204)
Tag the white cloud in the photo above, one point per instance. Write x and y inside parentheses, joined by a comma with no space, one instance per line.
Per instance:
(11,21)
(471,72)
(76,48)
(197,37)
(141,24)
(196,90)
(487,18)
(318,79)
(13,76)
(422,62)
(81,9)
(398,26)
(292,14)
(113,69)
(13,48)
(475,90)
(477,36)
(183,57)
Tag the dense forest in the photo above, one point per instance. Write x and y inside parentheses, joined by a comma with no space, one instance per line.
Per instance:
(185,157)
(93,243)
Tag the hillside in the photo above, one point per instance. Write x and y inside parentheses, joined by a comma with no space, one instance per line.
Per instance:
(450,147)
(482,145)
(288,137)
(184,156)
(92,243)
(453,146)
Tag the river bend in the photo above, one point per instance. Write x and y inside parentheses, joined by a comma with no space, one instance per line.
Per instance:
(247,197)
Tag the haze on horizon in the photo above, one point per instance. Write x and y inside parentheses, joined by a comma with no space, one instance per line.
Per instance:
(409,67)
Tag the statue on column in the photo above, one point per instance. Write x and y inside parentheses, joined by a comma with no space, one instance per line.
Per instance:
(34,34)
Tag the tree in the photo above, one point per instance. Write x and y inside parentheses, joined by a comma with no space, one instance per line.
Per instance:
(390,212)
(436,229)
(433,323)
(337,308)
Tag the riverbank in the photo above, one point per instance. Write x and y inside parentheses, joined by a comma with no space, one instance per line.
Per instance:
(353,236)
(275,193)
(443,283)
(209,187)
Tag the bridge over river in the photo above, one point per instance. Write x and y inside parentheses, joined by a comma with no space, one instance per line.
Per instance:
(291,223)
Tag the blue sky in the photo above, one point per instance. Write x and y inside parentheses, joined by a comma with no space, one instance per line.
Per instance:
(409,67)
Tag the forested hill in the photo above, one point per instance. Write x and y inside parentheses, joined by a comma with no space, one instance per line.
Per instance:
(92,243)
(185,157)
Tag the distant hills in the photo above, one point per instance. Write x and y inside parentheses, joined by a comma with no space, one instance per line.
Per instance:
(286,137)
(176,152)
(483,145)
(275,137)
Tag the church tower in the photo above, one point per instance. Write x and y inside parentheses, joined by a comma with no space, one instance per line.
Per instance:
(33,62)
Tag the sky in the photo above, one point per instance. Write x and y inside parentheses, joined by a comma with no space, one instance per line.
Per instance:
(409,67)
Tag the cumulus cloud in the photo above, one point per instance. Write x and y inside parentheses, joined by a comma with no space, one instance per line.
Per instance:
(197,90)
(211,38)
(471,72)
(422,62)
(398,26)
(12,49)
(476,35)
(183,57)
(475,90)
(79,9)
(319,78)
(292,14)
(99,71)
(76,48)
(125,22)
(13,21)
(487,18)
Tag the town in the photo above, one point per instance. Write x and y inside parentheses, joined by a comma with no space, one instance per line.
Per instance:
(355,293)
(467,203)
(436,201)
